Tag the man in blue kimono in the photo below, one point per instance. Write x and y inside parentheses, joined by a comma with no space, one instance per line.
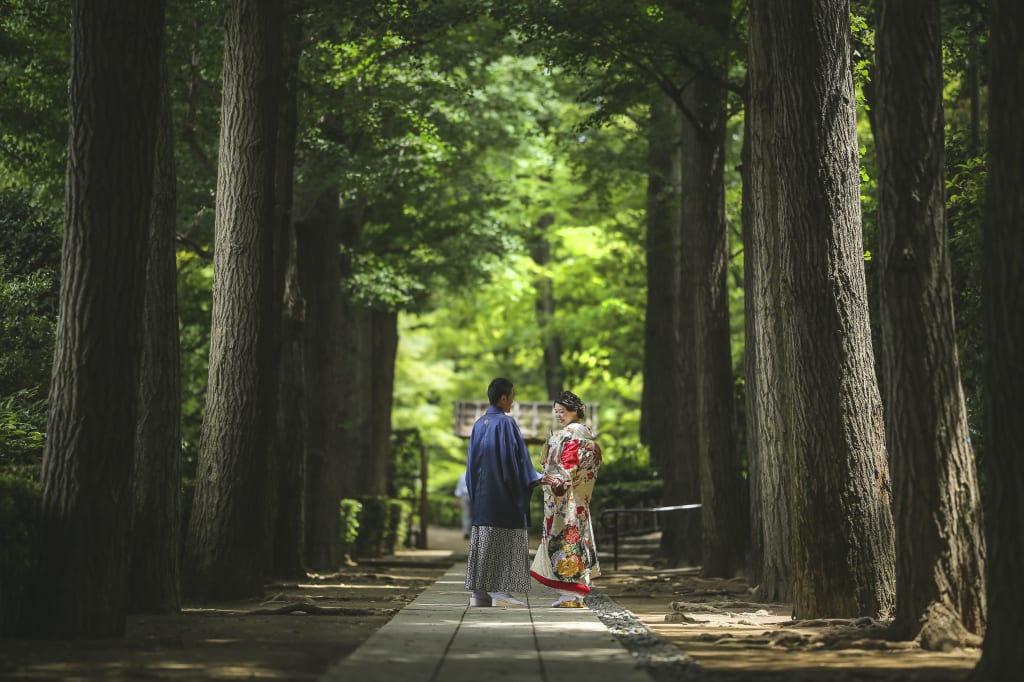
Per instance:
(501,479)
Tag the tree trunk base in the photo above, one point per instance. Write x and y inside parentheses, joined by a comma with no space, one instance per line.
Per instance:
(941,630)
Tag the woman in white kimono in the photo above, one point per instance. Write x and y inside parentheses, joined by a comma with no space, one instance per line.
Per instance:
(566,560)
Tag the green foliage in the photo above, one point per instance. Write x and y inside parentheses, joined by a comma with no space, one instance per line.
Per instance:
(406,140)
(195,303)
(195,34)
(625,484)
(964,44)
(862,31)
(19,502)
(349,510)
(383,525)
(34,71)
(445,510)
(399,514)
(462,139)
(624,495)
(29,265)
(27,327)
(966,178)
(596,270)
(22,429)
(406,446)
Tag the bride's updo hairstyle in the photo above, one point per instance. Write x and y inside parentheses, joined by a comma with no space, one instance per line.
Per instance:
(572,402)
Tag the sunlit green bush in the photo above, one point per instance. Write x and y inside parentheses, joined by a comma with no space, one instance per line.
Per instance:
(349,510)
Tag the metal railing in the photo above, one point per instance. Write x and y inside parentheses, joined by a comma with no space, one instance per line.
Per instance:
(613,525)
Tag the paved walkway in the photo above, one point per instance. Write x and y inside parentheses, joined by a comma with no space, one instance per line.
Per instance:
(438,638)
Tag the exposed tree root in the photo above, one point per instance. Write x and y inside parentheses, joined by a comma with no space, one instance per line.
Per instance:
(941,630)
(314,610)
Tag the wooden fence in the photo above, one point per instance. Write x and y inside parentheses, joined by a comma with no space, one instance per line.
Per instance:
(536,420)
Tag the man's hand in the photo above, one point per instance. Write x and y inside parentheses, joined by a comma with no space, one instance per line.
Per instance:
(556,484)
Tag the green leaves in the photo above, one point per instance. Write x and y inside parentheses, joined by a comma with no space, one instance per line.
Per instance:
(22,428)
(34,71)
(29,263)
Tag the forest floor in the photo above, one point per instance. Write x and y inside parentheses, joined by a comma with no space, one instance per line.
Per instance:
(321,620)
(732,638)
(318,622)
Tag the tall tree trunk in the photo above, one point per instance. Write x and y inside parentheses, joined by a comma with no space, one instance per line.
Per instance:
(228,539)
(723,513)
(319,278)
(155,579)
(384,349)
(769,412)
(355,391)
(370,347)
(540,252)
(289,453)
(662,250)
(82,545)
(669,429)
(936,503)
(355,396)
(1002,656)
(841,521)
(292,431)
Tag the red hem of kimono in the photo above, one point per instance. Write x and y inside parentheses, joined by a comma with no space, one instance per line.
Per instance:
(559,585)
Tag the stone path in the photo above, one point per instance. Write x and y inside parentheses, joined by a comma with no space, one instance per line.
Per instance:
(439,638)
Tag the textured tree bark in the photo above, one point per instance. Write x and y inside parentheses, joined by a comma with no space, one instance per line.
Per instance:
(289,460)
(319,277)
(228,537)
(936,503)
(370,339)
(769,412)
(383,349)
(704,225)
(292,432)
(540,252)
(841,521)
(354,335)
(1002,656)
(669,428)
(82,543)
(663,217)
(355,396)
(155,578)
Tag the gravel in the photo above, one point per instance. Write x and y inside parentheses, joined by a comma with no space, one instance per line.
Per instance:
(662,660)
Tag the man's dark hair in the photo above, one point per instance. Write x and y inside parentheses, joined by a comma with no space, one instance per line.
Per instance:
(498,388)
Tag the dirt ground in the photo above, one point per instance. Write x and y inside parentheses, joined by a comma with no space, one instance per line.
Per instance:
(732,638)
(321,620)
(242,640)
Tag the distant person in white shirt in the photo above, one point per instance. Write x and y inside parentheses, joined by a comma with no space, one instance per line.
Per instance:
(462,492)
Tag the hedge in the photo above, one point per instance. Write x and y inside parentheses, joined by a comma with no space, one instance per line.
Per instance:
(374,526)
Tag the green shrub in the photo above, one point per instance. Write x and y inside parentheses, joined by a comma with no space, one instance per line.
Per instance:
(404,474)
(19,499)
(29,285)
(383,525)
(22,426)
(350,511)
(445,510)
(372,521)
(396,528)
(625,495)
